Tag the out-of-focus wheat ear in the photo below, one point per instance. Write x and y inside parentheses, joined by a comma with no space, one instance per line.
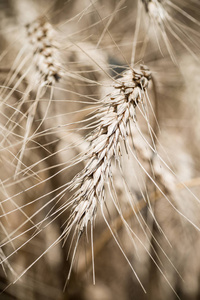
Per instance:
(163,177)
(115,115)
(158,15)
(161,13)
(45,51)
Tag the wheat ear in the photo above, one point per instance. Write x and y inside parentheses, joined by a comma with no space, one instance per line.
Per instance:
(159,13)
(118,109)
(41,36)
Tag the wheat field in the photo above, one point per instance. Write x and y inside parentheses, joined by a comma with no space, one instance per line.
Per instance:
(100,161)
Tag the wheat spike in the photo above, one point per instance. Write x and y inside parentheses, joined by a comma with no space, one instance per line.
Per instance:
(117,111)
(45,55)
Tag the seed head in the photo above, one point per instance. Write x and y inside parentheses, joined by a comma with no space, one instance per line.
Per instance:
(117,111)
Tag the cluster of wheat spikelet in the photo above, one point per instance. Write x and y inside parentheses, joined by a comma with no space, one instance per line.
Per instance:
(94,150)
(117,112)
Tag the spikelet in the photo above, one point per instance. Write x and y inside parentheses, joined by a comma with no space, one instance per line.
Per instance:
(115,115)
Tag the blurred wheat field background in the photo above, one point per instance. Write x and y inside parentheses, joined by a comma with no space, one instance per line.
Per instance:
(100,164)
